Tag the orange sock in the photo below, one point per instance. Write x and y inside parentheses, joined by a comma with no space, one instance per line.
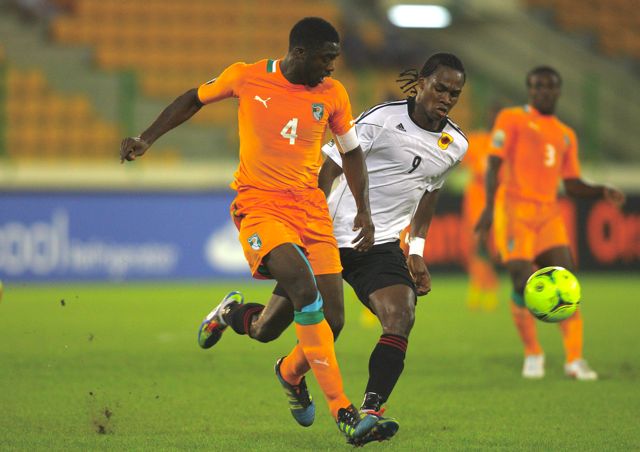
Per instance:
(294,366)
(482,274)
(483,284)
(316,341)
(526,325)
(572,336)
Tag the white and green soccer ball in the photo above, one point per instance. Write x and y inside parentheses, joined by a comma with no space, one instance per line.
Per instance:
(552,294)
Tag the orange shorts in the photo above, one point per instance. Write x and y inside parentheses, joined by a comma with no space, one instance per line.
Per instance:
(267,219)
(524,229)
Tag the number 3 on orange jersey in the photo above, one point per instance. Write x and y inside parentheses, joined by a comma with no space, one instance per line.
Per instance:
(289,130)
(549,155)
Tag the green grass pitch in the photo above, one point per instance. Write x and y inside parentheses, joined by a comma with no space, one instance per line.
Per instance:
(117,367)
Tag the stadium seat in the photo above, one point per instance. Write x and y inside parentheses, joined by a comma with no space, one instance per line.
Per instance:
(615,23)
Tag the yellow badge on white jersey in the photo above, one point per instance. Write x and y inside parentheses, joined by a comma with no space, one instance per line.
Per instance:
(445,140)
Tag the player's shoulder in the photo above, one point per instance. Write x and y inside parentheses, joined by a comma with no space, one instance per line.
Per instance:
(566,129)
(379,113)
(332,88)
(516,112)
(453,139)
(454,129)
(333,83)
(512,117)
(264,67)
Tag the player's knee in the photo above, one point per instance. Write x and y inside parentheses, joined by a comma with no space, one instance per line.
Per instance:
(517,294)
(303,295)
(519,283)
(336,322)
(398,321)
(517,298)
(264,334)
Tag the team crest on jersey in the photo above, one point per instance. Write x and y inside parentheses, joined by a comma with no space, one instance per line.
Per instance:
(255,241)
(318,111)
(445,140)
(497,140)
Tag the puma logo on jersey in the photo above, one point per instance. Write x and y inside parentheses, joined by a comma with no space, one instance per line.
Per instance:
(534,126)
(401,127)
(263,101)
(325,362)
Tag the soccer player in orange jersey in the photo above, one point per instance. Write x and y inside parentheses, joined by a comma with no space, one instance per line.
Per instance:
(284,109)
(537,150)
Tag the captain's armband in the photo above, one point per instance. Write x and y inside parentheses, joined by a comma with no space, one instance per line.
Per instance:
(347,142)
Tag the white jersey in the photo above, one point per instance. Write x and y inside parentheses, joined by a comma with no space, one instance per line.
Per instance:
(403,160)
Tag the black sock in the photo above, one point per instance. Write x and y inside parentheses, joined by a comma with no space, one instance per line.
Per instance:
(386,364)
(239,316)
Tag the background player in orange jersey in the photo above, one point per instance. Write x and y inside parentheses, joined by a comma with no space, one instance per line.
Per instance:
(537,150)
(483,280)
(284,109)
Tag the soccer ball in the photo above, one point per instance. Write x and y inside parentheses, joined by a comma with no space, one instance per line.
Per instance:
(552,294)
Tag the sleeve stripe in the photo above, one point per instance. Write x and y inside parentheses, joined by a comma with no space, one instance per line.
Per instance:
(455,126)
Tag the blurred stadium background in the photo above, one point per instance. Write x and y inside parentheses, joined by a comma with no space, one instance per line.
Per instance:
(78,75)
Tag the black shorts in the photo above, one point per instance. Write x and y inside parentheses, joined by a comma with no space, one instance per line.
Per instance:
(382,266)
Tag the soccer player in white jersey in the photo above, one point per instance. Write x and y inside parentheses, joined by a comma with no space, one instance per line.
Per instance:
(410,146)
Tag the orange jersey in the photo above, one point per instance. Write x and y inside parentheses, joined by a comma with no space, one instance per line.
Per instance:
(537,151)
(476,158)
(281,125)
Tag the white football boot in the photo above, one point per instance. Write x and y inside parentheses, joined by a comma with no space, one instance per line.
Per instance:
(533,366)
(580,370)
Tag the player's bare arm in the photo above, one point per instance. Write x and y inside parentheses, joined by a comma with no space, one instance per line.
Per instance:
(578,188)
(491,186)
(177,112)
(355,171)
(417,234)
(329,171)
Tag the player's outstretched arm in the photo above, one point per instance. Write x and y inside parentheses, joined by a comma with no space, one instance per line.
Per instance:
(578,188)
(491,185)
(417,234)
(355,171)
(177,112)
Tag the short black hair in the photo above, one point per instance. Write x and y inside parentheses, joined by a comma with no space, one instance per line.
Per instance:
(538,70)
(312,32)
(442,59)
